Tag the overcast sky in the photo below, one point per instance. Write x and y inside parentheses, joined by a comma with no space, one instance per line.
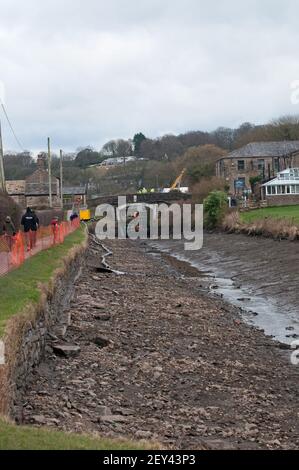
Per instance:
(87,71)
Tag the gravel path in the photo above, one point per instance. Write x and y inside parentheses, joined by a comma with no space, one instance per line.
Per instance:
(160,360)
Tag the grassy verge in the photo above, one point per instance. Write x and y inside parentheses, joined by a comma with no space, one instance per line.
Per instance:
(14,437)
(21,286)
(291,213)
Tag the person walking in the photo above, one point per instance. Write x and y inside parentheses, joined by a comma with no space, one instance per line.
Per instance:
(35,228)
(74,216)
(55,229)
(30,223)
(10,232)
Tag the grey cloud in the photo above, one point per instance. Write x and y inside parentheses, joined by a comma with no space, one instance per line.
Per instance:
(84,72)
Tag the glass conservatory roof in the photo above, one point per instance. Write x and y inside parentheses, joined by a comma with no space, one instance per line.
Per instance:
(289,176)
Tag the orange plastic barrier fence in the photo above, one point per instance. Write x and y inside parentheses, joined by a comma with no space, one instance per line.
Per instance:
(14,250)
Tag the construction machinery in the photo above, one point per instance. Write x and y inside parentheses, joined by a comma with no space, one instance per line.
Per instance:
(178,181)
(176,186)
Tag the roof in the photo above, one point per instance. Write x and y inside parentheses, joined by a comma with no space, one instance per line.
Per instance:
(265,149)
(40,189)
(285,177)
(37,184)
(77,190)
(118,160)
(15,187)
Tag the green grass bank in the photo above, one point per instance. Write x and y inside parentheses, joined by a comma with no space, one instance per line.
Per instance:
(291,213)
(21,286)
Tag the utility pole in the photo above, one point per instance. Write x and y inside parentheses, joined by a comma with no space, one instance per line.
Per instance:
(61,179)
(50,172)
(2,175)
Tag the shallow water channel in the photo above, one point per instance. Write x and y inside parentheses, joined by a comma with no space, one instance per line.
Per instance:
(258,275)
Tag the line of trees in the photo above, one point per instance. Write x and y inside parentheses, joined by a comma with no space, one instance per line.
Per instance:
(160,159)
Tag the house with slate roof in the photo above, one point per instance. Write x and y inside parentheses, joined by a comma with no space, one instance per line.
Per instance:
(257,159)
(34,190)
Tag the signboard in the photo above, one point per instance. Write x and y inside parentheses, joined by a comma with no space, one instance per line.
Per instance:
(240,183)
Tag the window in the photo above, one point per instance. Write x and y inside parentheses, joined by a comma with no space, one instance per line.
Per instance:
(276,165)
(261,164)
(241,165)
(295,174)
(279,189)
(270,190)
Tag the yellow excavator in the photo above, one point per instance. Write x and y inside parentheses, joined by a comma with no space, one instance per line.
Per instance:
(178,181)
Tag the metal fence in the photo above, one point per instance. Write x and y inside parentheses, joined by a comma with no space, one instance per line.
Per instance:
(14,250)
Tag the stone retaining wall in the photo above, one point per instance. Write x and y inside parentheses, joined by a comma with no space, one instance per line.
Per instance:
(283,200)
(26,332)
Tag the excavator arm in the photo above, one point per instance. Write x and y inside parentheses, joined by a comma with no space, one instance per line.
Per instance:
(177,183)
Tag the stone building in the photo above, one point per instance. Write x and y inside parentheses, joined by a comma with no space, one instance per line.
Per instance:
(257,159)
(37,186)
(74,195)
(34,190)
(16,189)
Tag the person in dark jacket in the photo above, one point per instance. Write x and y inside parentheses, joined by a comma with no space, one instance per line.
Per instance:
(74,216)
(30,223)
(10,232)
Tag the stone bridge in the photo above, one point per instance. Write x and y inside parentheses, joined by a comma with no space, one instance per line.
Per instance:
(148,198)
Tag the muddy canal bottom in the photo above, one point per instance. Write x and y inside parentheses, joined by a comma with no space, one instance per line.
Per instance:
(259,276)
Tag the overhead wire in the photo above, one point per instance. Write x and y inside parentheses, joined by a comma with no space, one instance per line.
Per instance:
(11,127)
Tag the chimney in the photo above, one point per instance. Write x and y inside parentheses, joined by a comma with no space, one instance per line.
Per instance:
(41,161)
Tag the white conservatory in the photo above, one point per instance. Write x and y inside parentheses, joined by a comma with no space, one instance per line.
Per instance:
(286,183)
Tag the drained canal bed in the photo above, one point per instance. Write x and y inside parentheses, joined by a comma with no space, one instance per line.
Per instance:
(147,356)
(258,275)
